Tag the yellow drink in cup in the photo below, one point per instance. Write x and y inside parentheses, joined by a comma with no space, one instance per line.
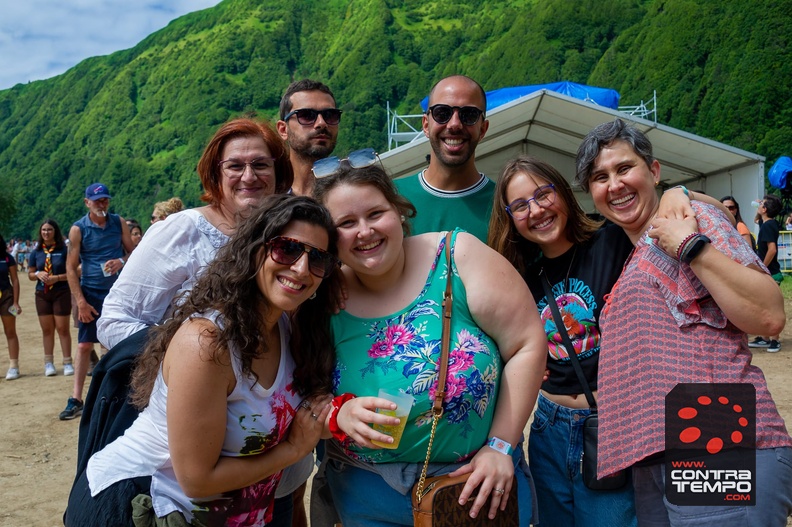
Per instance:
(404,403)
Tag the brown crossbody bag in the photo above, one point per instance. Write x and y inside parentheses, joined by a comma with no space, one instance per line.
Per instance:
(435,500)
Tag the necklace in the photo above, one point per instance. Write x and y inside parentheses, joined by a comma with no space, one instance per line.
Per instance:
(569,269)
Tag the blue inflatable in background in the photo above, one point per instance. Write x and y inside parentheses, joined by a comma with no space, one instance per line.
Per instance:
(779,172)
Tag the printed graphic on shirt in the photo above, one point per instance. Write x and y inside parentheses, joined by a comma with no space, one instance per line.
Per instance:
(577,307)
(253,505)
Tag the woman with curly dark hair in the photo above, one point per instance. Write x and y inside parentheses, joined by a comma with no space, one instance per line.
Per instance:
(233,387)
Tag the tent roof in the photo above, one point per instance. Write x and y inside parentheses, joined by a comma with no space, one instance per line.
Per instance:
(495,98)
(557,123)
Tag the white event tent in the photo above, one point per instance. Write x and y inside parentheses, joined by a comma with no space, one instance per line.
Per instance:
(549,125)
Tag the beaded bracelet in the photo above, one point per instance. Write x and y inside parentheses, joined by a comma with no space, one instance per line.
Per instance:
(685,241)
(337,403)
(693,248)
(684,251)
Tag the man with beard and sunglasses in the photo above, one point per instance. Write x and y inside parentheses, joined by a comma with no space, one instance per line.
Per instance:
(451,192)
(309,123)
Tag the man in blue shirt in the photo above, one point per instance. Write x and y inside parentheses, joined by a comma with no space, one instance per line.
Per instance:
(98,243)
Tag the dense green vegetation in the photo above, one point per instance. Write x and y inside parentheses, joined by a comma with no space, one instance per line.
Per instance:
(137,120)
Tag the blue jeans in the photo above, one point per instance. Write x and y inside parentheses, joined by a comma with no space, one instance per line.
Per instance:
(363,499)
(773,497)
(555,448)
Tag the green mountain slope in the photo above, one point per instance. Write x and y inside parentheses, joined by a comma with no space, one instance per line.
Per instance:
(138,119)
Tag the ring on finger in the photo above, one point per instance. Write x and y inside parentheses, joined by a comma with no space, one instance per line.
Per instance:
(499,491)
(306,405)
(314,416)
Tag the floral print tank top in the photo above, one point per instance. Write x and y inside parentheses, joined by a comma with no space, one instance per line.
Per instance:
(401,351)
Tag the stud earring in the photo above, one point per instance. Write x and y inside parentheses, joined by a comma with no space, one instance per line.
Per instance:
(403,219)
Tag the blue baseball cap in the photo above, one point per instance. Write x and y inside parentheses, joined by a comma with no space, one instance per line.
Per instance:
(97,191)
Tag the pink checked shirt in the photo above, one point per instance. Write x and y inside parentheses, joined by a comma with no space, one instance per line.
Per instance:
(660,327)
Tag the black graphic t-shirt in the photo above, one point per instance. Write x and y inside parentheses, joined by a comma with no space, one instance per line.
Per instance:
(580,279)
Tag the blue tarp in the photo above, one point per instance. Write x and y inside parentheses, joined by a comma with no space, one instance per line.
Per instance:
(602,96)
(779,172)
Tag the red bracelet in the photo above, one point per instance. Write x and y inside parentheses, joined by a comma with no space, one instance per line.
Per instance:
(681,247)
(338,402)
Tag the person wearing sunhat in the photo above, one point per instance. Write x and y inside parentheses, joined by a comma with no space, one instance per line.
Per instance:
(99,242)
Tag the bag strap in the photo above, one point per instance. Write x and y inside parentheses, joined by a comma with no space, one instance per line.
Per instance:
(445,345)
(561,329)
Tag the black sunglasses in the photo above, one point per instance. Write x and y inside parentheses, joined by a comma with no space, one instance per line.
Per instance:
(442,113)
(307,116)
(286,251)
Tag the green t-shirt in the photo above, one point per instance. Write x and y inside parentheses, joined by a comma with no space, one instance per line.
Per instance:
(440,210)
(400,352)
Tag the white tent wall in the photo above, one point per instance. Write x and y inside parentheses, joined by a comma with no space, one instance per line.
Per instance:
(741,183)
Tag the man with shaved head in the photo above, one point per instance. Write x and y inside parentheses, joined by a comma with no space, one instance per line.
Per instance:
(451,192)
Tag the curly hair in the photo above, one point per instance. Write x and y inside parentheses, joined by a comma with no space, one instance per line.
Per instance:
(503,236)
(59,243)
(209,170)
(228,286)
(163,209)
(373,175)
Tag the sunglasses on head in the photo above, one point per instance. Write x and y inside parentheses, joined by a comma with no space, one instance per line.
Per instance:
(442,113)
(286,251)
(357,159)
(307,116)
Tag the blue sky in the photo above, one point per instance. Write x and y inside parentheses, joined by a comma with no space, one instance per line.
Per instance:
(43,38)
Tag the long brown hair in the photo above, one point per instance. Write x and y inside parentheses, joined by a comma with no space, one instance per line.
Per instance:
(503,236)
(228,286)
(209,169)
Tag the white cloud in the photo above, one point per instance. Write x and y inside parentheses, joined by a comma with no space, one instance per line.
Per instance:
(43,38)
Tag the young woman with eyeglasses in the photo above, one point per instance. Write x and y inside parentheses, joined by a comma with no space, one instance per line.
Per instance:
(389,337)
(538,225)
(234,387)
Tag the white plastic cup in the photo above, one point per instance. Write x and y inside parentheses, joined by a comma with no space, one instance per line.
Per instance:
(404,403)
(13,310)
(105,271)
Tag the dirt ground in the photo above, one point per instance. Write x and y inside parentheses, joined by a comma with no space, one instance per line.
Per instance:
(38,452)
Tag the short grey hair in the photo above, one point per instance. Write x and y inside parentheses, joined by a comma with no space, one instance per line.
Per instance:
(603,136)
